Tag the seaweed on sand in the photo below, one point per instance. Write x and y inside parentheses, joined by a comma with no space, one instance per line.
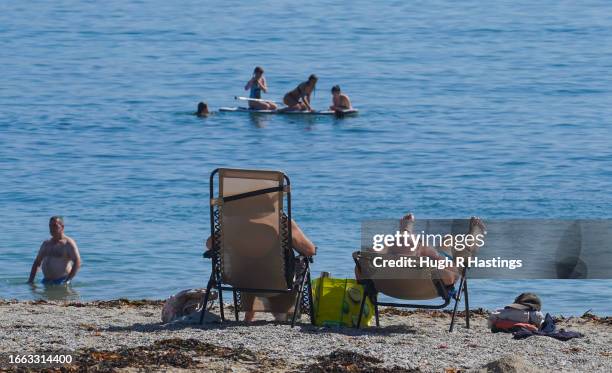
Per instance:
(342,361)
(393,311)
(117,303)
(171,353)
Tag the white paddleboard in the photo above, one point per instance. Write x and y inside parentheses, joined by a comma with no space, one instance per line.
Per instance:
(241,109)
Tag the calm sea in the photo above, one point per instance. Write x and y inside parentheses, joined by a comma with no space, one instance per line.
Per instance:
(499,110)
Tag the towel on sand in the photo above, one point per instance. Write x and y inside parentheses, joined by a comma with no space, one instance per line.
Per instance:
(548,329)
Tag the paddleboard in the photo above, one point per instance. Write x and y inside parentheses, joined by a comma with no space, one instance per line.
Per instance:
(241,109)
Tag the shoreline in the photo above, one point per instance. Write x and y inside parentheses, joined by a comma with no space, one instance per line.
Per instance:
(126,334)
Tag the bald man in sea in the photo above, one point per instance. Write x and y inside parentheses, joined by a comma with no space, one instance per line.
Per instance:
(59,256)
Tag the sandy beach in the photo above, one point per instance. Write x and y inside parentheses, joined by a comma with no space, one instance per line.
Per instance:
(128,336)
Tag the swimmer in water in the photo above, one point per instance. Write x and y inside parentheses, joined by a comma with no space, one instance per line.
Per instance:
(59,256)
(202,110)
(256,85)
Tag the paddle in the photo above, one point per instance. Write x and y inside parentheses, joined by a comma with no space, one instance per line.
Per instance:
(253,99)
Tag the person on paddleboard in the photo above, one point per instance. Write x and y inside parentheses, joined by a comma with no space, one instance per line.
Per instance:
(256,85)
(340,101)
(299,98)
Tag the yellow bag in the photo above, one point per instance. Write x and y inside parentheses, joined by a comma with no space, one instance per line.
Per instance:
(337,302)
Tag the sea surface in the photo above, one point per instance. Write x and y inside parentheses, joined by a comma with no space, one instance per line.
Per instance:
(499,110)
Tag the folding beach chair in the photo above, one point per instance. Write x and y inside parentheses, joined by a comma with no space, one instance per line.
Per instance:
(420,283)
(251,243)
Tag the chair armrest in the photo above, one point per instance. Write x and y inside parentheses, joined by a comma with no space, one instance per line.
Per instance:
(303,257)
(207,254)
(356,256)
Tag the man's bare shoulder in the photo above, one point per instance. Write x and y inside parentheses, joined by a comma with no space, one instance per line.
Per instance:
(70,241)
(44,248)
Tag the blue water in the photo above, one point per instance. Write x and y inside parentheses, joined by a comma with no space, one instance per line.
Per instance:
(499,110)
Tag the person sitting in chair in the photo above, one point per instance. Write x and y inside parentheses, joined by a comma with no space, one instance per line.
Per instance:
(448,275)
(300,243)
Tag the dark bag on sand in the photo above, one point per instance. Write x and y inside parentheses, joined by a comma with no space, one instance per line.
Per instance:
(548,329)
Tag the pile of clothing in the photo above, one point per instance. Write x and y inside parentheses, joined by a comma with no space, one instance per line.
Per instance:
(185,305)
(524,318)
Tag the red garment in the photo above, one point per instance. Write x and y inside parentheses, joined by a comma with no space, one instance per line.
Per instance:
(508,325)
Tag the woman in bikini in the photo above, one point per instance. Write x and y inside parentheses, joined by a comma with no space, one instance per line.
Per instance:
(299,98)
(256,85)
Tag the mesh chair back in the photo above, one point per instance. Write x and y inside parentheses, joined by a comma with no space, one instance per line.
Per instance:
(401,283)
(251,241)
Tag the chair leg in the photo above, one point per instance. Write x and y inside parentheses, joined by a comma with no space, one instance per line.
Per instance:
(452,324)
(376,314)
(361,308)
(220,301)
(457,298)
(298,299)
(310,298)
(236,306)
(467,304)
(208,288)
